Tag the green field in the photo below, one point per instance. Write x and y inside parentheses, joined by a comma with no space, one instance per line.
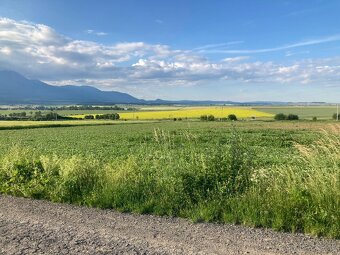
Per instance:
(304,112)
(278,174)
(104,141)
(17,124)
(60,112)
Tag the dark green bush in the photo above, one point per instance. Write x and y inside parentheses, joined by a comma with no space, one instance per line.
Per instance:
(232,117)
(204,117)
(292,117)
(280,116)
(108,116)
(210,118)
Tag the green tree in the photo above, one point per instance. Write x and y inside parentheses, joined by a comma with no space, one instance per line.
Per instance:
(292,117)
(210,117)
(232,117)
(280,116)
(204,117)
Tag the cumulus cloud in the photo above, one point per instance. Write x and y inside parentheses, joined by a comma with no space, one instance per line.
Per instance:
(38,51)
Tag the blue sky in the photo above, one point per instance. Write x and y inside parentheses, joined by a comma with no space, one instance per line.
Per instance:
(218,50)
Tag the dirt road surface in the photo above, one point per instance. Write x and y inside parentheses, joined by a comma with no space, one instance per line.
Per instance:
(40,227)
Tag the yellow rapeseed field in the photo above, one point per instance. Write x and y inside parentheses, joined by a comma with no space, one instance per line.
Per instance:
(218,112)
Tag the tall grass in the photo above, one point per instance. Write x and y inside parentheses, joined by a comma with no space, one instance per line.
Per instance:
(299,197)
(174,176)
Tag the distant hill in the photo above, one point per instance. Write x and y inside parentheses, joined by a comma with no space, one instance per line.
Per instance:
(16,89)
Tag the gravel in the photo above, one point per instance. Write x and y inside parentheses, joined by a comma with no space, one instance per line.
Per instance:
(40,227)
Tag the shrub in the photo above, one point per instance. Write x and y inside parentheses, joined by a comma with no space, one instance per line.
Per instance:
(204,117)
(211,117)
(280,116)
(108,116)
(24,174)
(292,117)
(232,117)
(314,118)
(334,116)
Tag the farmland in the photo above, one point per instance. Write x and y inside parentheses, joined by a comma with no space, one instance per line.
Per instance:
(159,113)
(65,123)
(196,112)
(251,172)
(304,112)
(142,112)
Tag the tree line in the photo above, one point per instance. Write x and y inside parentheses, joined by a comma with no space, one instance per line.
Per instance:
(34,116)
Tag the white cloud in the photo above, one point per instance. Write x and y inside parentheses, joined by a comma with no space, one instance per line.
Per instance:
(90,31)
(38,51)
(5,50)
(235,59)
(217,45)
(332,38)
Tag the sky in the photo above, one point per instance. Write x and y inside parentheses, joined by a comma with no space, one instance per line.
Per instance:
(239,50)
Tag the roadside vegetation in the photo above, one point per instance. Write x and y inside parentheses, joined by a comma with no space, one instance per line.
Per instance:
(283,179)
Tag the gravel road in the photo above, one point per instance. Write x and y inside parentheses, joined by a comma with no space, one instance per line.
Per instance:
(40,227)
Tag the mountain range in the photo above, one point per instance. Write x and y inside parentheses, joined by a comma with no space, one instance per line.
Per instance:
(16,89)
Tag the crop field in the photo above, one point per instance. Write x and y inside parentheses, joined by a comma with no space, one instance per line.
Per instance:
(108,141)
(196,112)
(62,123)
(283,175)
(159,113)
(60,112)
(304,112)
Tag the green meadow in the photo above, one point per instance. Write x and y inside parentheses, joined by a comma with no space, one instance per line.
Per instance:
(304,112)
(283,175)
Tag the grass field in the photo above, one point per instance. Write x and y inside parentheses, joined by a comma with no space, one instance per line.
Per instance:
(304,112)
(60,123)
(60,112)
(283,175)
